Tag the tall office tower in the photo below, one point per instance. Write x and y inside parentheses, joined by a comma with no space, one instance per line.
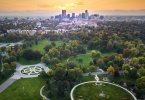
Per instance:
(80,15)
(73,15)
(68,16)
(86,15)
(86,11)
(83,15)
(63,13)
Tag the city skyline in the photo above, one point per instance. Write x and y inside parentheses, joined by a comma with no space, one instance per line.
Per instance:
(49,7)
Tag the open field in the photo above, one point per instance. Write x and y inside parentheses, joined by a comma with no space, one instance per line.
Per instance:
(24,89)
(91,91)
(43,43)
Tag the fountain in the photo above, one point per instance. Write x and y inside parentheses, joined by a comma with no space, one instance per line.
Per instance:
(97,79)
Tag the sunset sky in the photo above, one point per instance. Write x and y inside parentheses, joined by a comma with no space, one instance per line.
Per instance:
(55,6)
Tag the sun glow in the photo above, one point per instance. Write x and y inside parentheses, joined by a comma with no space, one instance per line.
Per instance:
(66,6)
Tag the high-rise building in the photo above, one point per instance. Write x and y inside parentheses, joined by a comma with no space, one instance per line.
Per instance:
(63,13)
(68,16)
(73,15)
(80,15)
(86,11)
(86,15)
(83,15)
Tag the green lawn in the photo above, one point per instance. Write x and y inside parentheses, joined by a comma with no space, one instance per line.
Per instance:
(24,89)
(91,92)
(43,43)
(28,62)
(86,58)
(87,78)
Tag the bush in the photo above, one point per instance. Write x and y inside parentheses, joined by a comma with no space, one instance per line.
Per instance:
(43,74)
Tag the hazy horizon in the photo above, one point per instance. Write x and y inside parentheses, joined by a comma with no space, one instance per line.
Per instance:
(51,13)
(54,7)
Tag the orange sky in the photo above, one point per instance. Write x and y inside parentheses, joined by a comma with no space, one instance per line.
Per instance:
(76,5)
(70,5)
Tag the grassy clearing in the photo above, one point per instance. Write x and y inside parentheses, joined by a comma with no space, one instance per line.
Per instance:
(92,91)
(23,89)
(43,43)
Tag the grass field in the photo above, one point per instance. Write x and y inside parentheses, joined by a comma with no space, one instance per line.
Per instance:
(86,58)
(43,43)
(91,92)
(24,89)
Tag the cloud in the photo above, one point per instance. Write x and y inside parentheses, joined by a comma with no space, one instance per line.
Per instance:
(80,3)
(69,5)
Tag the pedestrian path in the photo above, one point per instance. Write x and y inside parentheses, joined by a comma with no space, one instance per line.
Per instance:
(6,84)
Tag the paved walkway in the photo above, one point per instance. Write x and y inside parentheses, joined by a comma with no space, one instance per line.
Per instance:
(6,84)
(17,75)
(98,73)
(5,44)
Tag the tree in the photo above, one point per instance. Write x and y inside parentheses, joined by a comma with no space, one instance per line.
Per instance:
(116,73)
(71,65)
(91,45)
(93,53)
(13,65)
(45,59)
(134,51)
(142,71)
(54,61)
(60,65)
(28,54)
(71,75)
(47,47)
(140,84)
(74,43)
(98,54)
(132,72)
(99,62)
(92,68)
(141,60)
(53,43)
(78,72)
(50,72)
(12,59)
(56,52)
(126,52)
(37,54)
(81,49)
(109,45)
(43,74)
(59,73)
(66,53)
(5,66)
(110,70)
(126,68)
(13,53)
(134,61)
(74,74)
(3,48)
(51,53)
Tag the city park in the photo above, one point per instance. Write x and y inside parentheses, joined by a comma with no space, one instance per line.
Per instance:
(29,71)
(58,68)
